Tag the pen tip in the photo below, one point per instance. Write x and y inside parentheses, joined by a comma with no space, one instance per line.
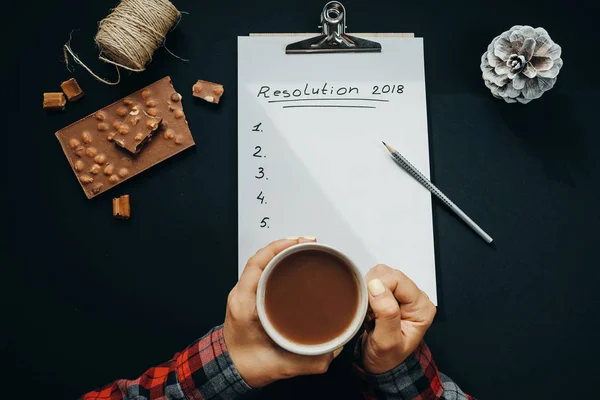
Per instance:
(383,143)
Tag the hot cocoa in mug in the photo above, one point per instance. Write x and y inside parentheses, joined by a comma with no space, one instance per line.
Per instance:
(311,299)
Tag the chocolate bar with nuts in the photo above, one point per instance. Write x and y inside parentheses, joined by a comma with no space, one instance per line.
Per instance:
(208,91)
(98,147)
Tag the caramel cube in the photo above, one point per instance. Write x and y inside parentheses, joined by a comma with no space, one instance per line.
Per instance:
(121,208)
(208,91)
(72,89)
(54,101)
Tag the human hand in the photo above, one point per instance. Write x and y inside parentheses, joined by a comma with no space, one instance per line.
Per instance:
(257,358)
(402,312)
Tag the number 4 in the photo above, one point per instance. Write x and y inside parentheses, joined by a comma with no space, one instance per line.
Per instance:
(261,197)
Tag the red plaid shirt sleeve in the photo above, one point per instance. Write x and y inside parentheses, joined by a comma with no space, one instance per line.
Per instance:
(204,370)
(417,378)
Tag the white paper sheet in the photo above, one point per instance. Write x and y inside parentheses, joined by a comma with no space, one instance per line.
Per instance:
(310,158)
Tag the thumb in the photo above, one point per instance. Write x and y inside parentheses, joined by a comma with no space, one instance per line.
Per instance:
(387,333)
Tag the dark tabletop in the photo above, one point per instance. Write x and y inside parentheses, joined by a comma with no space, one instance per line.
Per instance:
(89,299)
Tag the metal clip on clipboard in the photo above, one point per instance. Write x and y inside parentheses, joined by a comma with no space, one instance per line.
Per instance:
(333,38)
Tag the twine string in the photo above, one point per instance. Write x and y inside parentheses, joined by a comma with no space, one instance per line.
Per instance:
(67,50)
(130,34)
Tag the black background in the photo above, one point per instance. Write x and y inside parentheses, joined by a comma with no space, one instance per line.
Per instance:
(89,299)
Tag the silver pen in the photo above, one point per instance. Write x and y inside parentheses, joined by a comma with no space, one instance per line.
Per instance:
(404,163)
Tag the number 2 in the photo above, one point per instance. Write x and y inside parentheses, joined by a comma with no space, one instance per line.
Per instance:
(256,153)
(263,223)
(261,173)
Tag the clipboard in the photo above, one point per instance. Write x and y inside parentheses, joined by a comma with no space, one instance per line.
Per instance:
(333,37)
(310,160)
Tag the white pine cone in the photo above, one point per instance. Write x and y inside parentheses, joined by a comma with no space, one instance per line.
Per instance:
(521,64)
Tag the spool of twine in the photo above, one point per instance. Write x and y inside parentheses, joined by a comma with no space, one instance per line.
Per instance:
(130,34)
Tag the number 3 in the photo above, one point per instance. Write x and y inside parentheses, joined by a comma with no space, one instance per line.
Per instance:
(261,173)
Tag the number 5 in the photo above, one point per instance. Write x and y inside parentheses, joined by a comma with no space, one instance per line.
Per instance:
(263,223)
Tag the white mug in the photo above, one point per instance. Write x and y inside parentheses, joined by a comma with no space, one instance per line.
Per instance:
(321,348)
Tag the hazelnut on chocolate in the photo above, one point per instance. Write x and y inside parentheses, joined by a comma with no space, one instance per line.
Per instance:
(152,112)
(123,172)
(95,169)
(116,124)
(152,124)
(150,103)
(122,111)
(135,110)
(86,179)
(169,134)
(79,165)
(97,188)
(178,139)
(176,97)
(124,129)
(139,137)
(100,158)
(100,115)
(102,126)
(91,151)
(86,137)
(79,151)
(74,143)
(127,101)
(113,179)
(179,114)
(111,136)
(145,94)
(109,170)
